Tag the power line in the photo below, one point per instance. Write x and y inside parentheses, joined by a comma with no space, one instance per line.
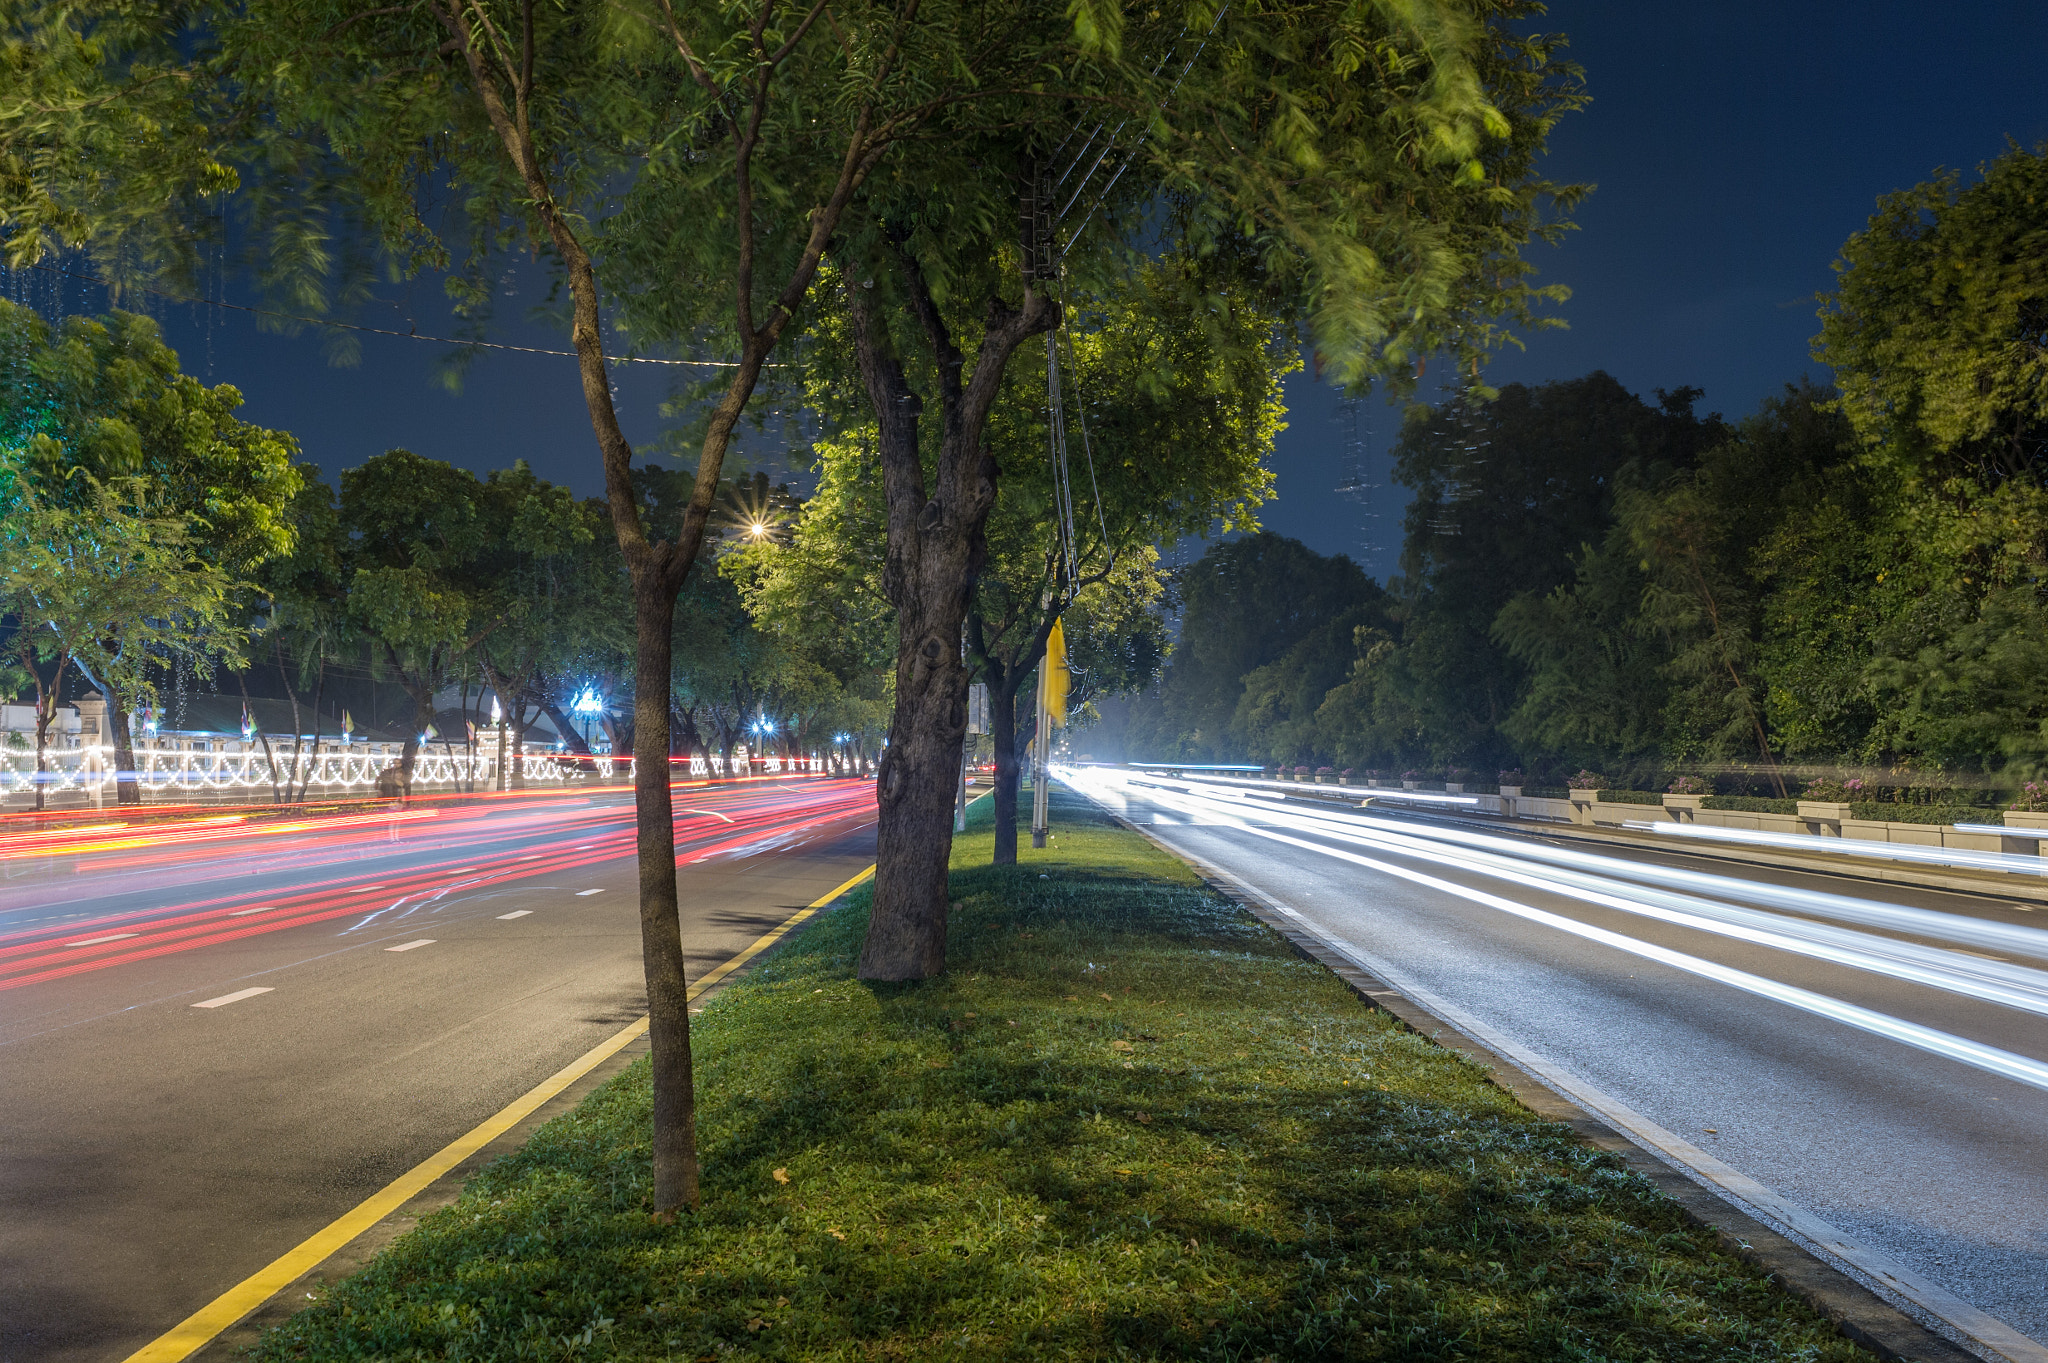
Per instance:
(413,335)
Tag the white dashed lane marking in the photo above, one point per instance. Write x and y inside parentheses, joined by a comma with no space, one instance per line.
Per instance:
(408,946)
(260,908)
(225,999)
(516,913)
(112,937)
(581,893)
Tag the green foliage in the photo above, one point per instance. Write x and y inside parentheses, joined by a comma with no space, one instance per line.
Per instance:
(1244,605)
(1121,1070)
(102,129)
(1938,327)
(110,586)
(1883,811)
(1754,804)
(104,398)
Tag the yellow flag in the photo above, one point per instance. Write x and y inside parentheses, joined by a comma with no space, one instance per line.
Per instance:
(1055,674)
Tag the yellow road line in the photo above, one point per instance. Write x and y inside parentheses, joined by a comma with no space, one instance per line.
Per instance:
(187,1337)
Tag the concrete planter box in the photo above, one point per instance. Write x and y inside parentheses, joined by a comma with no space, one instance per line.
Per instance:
(1326,780)
(1582,802)
(1823,818)
(1683,808)
(2022,818)
(1454,788)
(1511,792)
(1410,785)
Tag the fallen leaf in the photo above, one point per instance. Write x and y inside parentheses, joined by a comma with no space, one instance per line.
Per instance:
(940,1064)
(782,1301)
(1121,1045)
(1144,1119)
(1073,998)
(967,1015)
(757,1324)
(1130,1065)
(1013,1022)
(1106,998)
(835,1232)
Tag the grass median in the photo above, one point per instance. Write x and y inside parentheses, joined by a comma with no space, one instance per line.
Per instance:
(1128,1123)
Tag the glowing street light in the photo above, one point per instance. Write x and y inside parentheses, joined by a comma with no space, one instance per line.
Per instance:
(589,705)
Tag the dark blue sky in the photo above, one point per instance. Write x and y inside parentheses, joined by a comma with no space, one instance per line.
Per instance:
(1735,146)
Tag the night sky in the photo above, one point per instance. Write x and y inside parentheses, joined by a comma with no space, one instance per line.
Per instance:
(1735,145)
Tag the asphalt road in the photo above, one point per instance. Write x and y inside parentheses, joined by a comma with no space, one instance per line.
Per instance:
(416,974)
(1877,1054)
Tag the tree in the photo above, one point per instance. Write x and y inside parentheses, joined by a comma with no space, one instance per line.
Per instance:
(1381,206)
(1938,335)
(705,151)
(550,587)
(1174,406)
(104,397)
(415,536)
(1244,604)
(1507,493)
(105,585)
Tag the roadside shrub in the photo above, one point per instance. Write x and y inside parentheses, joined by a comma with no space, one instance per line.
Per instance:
(1754,804)
(1586,780)
(1883,811)
(1690,785)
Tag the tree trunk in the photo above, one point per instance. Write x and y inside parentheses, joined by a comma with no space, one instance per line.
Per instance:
(936,545)
(45,710)
(313,759)
(422,716)
(516,778)
(269,758)
(127,781)
(661,932)
(1002,727)
(572,737)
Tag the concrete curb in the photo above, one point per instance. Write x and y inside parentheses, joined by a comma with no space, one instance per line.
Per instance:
(1889,1327)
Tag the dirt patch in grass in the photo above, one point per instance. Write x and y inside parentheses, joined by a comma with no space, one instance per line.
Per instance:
(1129,1123)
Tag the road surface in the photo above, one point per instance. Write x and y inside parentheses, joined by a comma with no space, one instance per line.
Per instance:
(1877,1054)
(218,1035)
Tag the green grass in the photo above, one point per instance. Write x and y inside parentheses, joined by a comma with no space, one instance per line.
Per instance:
(1128,1123)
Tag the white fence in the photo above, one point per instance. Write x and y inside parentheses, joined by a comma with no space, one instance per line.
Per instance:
(200,770)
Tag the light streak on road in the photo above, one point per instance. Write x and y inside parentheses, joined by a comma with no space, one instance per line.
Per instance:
(592,833)
(1999,983)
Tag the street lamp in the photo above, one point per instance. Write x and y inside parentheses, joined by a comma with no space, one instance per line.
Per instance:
(588,704)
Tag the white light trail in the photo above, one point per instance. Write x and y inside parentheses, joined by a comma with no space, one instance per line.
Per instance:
(2020,1068)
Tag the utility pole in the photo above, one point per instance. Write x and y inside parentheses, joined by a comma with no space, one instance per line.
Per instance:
(1041,753)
